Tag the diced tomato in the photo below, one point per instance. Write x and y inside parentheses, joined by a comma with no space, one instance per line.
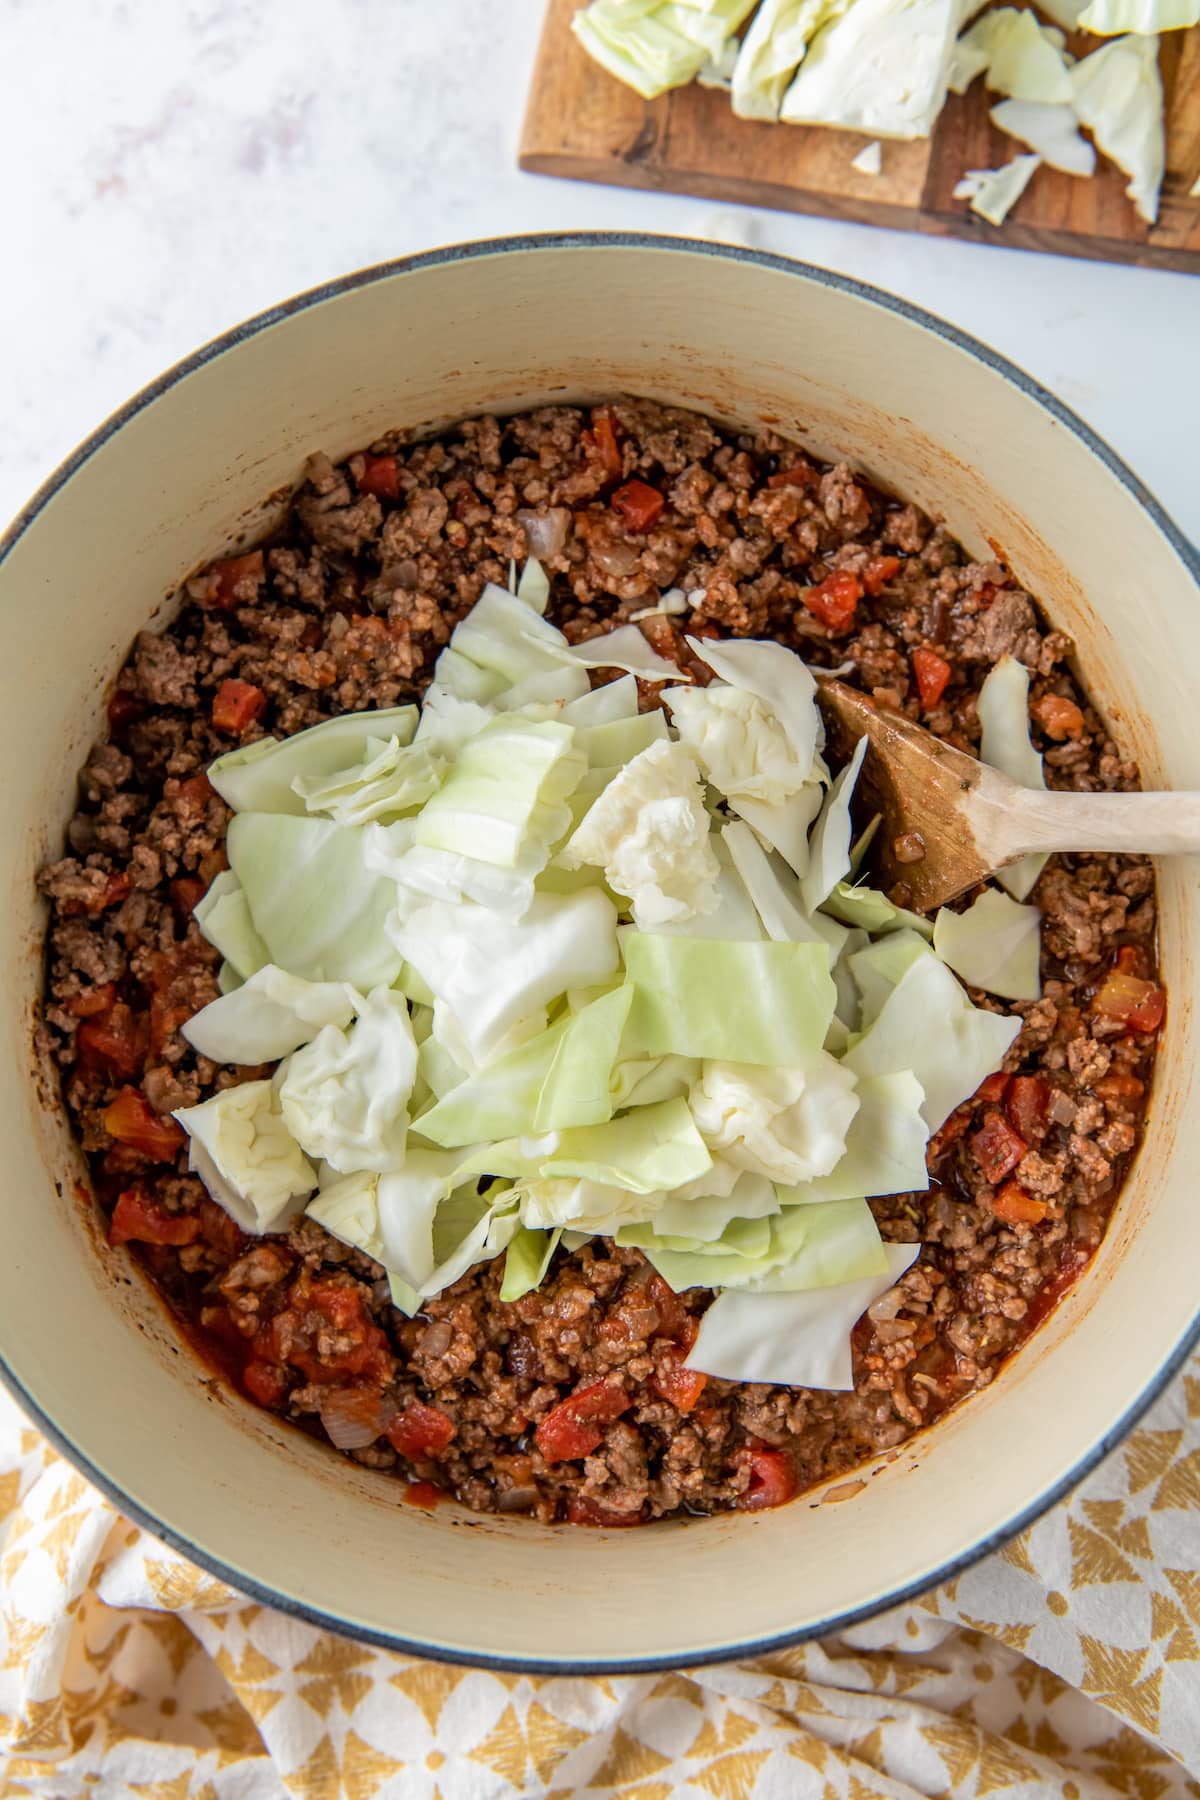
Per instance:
(1139,1005)
(639,504)
(1118,1089)
(425,1494)
(672,1313)
(195,793)
(131,1119)
(113,1041)
(583,1511)
(574,1427)
(220,1231)
(602,442)
(991,1089)
(124,709)
(772,1478)
(1059,718)
(87,1004)
(421,1432)
(878,572)
(801,475)
(834,601)
(187,891)
(997,1147)
(236,706)
(1027,1104)
(381,477)
(233,573)
(265,1382)
(932,673)
(1015,1207)
(138,1219)
(680,1387)
(326,1333)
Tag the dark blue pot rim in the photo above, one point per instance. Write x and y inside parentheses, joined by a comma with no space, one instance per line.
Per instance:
(1188,555)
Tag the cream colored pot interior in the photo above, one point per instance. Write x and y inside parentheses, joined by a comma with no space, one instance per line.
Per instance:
(184,477)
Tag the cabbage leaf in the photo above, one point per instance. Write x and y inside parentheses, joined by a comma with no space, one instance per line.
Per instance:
(258,777)
(788,1124)
(1003,708)
(767,1003)
(995,944)
(345,1095)
(269,1016)
(240,1148)
(223,916)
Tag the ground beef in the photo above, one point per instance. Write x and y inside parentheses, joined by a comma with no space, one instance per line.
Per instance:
(573,1402)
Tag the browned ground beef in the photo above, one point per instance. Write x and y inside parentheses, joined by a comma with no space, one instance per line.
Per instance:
(348,608)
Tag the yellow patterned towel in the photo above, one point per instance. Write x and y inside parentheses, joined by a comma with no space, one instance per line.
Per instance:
(1067,1668)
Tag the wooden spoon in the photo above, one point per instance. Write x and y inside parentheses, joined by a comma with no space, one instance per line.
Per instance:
(950,821)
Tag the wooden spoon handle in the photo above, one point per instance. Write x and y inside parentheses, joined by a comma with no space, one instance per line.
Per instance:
(1166,824)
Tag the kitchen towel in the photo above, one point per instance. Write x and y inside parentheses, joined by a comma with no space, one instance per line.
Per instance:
(1066,1667)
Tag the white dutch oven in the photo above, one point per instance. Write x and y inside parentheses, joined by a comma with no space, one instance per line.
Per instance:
(181,475)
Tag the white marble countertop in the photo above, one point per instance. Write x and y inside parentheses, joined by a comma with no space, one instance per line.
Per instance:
(172,168)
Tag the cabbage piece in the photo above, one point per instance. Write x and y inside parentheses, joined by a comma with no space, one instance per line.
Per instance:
(269,1016)
(775,892)
(641,1081)
(747,1239)
(995,944)
(392,778)
(497,1102)
(624,648)
(605,705)
(885,1145)
(578,1084)
(1145,17)
(223,916)
(318,908)
(784,826)
(468,1229)
(345,1095)
(793,1339)
(348,1209)
(649,832)
(809,1247)
(738,742)
(773,49)
(259,777)
(928,1027)
(534,585)
(500,642)
(639,44)
(580,1206)
(994,192)
(1117,93)
(858,905)
(448,721)
(504,800)
(1017,55)
(526,1260)
(734,915)
(422,874)
(882,68)
(777,677)
(1065,13)
(878,968)
(493,973)
(763,1003)
(228,979)
(646,1151)
(615,742)
(437,1068)
(408,1202)
(240,1148)
(829,847)
(788,1124)
(848,1012)
(869,160)
(1048,130)
(1005,743)
(703,1218)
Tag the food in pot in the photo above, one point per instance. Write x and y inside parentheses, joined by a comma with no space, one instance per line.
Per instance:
(601,936)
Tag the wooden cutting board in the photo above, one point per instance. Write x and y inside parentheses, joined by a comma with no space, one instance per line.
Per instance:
(584,124)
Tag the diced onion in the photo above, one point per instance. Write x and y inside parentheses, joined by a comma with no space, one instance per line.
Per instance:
(545,532)
(353,1417)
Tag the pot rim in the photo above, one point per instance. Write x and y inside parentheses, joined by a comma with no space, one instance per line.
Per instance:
(533,242)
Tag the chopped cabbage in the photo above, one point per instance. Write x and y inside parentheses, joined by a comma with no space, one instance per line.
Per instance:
(995,944)
(392,778)
(878,968)
(526,1260)
(649,832)
(865,907)
(994,192)
(882,68)
(345,1095)
(794,1339)
(1118,95)
(467,1229)
(808,1247)
(504,800)
(738,741)
(624,648)
(1048,130)
(654,45)
(788,1124)
(703,1218)
(534,585)
(615,742)
(317,906)
(767,1003)
(928,1027)
(1145,17)
(259,776)
(493,973)
(1003,708)
(869,160)
(604,705)
(641,1081)
(223,916)
(734,915)
(501,641)
(646,1151)
(829,847)
(1017,56)
(776,676)
(776,894)
(240,1148)
(268,1016)
(582,1205)
(885,1145)
(773,49)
